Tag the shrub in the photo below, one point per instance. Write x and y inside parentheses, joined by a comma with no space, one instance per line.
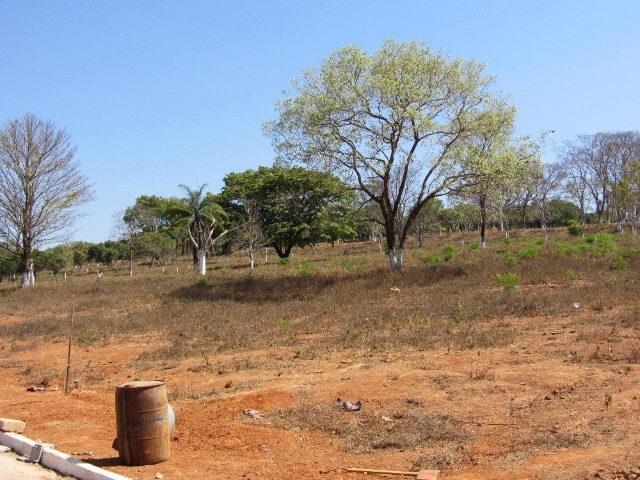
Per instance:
(510,258)
(563,248)
(474,245)
(619,263)
(529,250)
(574,227)
(284,261)
(508,280)
(448,251)
(433,258)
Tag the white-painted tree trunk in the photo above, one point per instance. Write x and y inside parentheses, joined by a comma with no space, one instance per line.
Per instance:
(395,258)
(202,262)
(251,257)
(28,277)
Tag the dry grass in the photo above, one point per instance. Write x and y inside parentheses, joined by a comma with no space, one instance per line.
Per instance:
(339,297)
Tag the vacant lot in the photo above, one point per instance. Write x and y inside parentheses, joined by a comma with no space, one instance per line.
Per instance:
(521,360)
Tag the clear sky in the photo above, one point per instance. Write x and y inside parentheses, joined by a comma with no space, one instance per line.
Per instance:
(156,93)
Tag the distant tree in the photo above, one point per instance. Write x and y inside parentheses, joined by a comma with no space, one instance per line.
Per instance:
(548,184)
(55,259)
(9,265)
(40,188)
(391,120)
(596,166)
(202,218)
(295,206)
(79,251)
(150,246)
(109,253)
(498,165)
(462,216)
(249,235)
(561,212)
(428,220)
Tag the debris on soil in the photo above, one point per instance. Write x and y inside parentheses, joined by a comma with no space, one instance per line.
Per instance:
(352,407)
(253,414)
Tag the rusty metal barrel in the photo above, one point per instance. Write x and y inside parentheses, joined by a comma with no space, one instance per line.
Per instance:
(142,420)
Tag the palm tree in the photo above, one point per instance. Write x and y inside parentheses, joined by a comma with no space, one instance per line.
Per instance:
(203,218)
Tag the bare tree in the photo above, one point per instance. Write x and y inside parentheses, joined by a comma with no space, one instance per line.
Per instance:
(40,188)
(549,183)
(250,235)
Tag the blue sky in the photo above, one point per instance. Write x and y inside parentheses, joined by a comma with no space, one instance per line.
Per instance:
(159,93)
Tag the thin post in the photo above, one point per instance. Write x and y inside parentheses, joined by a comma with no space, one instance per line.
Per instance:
(66,382)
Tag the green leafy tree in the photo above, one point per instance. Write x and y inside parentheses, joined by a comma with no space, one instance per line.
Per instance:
(150,246)
(393,120)
(561,212)
(108,253)
(500,169)
(295,206)
(9,265)
(55,259)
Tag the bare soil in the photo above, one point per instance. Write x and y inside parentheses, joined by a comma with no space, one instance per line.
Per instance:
(454,372)
(527,411)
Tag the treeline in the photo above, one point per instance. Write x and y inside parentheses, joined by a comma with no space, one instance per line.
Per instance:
(596,179)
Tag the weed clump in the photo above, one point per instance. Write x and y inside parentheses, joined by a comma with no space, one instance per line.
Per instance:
(508,280)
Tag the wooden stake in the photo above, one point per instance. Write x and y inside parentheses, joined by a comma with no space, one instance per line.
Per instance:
(66,382)
(382,472)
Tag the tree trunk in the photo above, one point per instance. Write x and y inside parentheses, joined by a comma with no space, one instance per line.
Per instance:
(202,261)
(483,223)
(395,259)
(28,277)
(251,257)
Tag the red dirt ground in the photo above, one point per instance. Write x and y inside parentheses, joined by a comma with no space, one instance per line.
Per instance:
(532,410)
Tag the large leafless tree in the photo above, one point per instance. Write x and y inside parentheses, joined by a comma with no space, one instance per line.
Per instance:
(40,188)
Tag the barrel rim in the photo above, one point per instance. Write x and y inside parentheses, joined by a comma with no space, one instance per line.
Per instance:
(140,384)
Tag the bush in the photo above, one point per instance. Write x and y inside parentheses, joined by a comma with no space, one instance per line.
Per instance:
(510,258)
(448,251)
(508,280)
(530,250)
(474,245)
(574,227)
(619,264)
(433,258)
(563,248)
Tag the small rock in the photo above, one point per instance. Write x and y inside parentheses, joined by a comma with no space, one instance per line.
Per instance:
(10,425)
(159,476)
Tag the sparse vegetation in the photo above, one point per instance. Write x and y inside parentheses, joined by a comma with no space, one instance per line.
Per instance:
(234,331)
(508,280)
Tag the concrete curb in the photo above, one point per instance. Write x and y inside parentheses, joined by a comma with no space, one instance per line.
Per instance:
(58,461)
